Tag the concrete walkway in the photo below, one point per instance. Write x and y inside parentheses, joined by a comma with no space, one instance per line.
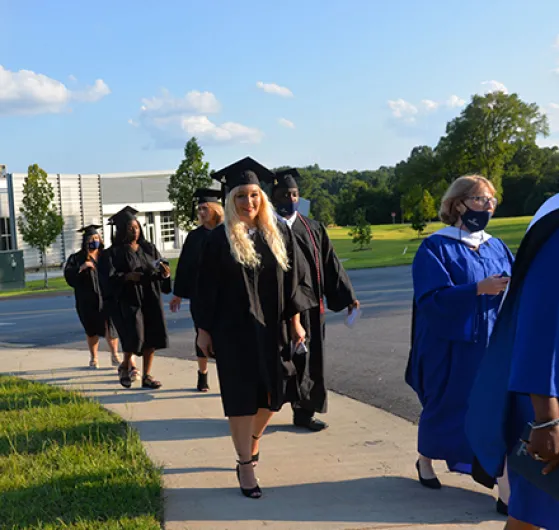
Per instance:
(359,474)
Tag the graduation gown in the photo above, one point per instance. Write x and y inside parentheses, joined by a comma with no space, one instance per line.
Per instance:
(521,360)
(189,261)
(88,296)
(247,313)
(329,280)
(137,307)
(451,327)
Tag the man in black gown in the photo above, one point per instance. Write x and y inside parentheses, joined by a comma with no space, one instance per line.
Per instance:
(330,281)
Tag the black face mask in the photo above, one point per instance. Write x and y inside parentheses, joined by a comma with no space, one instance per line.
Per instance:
(475,221)
(287,209)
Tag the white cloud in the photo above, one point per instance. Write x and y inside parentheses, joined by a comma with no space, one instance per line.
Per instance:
(455,102)
(556,43)
(286,123)
(171,121)
(27,92)
(495,86)
(73,78)
(403,110)
(93,93)
(272,88)
(133,123)
(429,105)
(194,101)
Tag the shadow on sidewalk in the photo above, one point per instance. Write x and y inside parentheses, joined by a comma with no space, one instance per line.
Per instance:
(368,500)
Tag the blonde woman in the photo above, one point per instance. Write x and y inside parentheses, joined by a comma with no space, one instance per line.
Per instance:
(459,276)
(210,215)
(250,293)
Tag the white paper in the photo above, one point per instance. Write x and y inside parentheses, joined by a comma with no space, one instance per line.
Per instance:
(352,318)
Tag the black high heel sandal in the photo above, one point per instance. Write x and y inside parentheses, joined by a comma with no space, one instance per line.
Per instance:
(430,483)
(251,493)
(256,457)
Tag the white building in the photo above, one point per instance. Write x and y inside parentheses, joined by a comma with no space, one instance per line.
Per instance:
(92,199)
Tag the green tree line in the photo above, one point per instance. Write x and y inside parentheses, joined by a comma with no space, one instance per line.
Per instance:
(495,135)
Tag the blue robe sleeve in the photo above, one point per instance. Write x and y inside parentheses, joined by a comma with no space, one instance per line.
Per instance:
(451,310)
(535,359)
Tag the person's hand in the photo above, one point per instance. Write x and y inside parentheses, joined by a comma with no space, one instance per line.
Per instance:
(354,305)
(544,446)
(87,265)
(165,270)
(492,285)
(205,343)
(175,304)
(298,333)
(134,276)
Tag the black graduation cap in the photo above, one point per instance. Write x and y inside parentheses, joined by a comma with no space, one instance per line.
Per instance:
(285,179)
(123,217)
(243,172)
(203,195)
(89,230)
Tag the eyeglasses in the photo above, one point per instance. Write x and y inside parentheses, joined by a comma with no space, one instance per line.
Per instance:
(484,201)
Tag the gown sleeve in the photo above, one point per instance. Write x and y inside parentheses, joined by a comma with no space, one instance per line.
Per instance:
(207,286)
(299,294)
(451,310)
(535,359)
(71,271)
(181,285)
(337,285)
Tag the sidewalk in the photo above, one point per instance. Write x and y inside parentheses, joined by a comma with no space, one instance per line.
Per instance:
(359,474)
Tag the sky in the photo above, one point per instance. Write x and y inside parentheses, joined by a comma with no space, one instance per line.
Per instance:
(121,85)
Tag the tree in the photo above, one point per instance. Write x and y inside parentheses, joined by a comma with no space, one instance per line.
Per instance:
(40,223)
(418,222)
(192,173)
(361,232)
(486,135)
(423,212)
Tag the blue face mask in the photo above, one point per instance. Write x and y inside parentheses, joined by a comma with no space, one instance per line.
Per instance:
(287,209)
(94,244)
(475,221)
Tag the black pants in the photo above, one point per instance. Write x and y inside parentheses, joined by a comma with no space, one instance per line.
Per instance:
(301,412)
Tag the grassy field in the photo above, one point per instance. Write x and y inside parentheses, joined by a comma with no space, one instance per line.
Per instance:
(386,249)
(67,463)
(397,244)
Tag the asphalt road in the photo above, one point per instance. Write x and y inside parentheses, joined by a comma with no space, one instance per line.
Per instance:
(366,363)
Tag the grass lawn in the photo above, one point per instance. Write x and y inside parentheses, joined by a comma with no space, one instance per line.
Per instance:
(390,241)
(387,249)
(67,463)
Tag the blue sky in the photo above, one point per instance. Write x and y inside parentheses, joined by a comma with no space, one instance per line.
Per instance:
(110,86)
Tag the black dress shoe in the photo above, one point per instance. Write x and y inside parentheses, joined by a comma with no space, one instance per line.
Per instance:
(431,483)
(502,508)
(312,424)
(202,385)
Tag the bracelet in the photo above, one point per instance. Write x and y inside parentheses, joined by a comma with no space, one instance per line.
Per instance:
(547,425)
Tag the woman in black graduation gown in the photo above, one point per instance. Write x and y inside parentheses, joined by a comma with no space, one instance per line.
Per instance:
(210,215)
(81,274)
(136,278)
(247,312)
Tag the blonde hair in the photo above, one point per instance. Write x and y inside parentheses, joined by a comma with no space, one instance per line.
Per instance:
(242,246)
(217,210)
(460,190)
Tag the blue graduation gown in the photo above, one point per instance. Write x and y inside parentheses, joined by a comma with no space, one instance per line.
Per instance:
(451,329)
(534,369)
